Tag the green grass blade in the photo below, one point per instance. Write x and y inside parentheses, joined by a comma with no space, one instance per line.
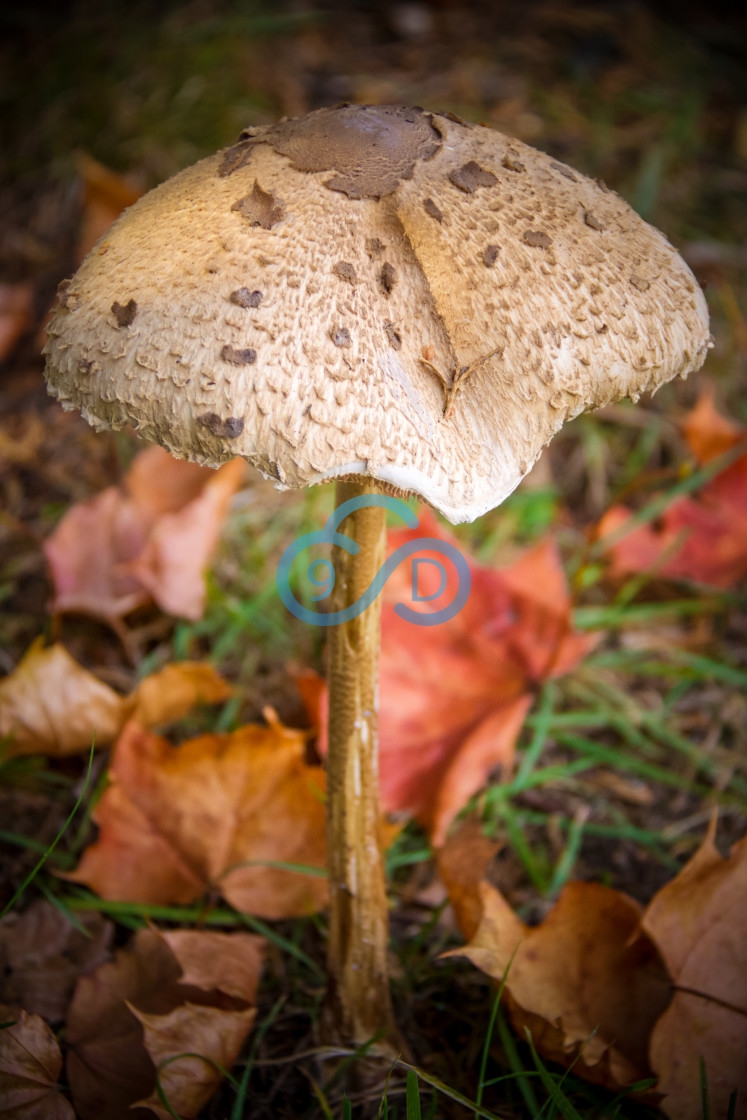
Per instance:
(542,723)
(569,855)
(48,851)
(412,1096)
(522,1075)
(447,1091)
(554,1092)
(704,1104)
(237,1112)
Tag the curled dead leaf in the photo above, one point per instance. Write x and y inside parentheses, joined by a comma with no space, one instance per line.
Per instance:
(698,923)
(170,693)
(702,537)
(167,994)
(52,705)
(587,983)
(188,1048)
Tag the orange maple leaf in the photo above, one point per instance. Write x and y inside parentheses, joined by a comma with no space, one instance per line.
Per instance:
(211,813)
(703,537)
(150,538)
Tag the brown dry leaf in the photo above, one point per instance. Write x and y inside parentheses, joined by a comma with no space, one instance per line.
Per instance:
(112,1059)
(21,441)
(151,538)
(178,821)
(42,955)
(462,863)
(698,922)
(30,1064)
(174,1043)
(707,432)
(16,305)
(587,982)
(106,195)
(52,705)
(170,693)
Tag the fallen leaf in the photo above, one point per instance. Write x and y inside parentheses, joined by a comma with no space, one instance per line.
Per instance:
(698,923)
(106,195)
(52,705)
(188,1046)
(462,863)
(168,994)
(708,433)
(587,982)
(454,696)
(16,305)
(173,691)
(21,441)
(178,821)
(228,962)
(702,537)
(30,1064)
(151,538)
(42,955)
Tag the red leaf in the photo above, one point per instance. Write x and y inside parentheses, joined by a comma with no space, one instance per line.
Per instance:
(151,538)
(703,537)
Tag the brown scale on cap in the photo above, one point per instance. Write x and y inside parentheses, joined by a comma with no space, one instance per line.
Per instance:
(124,313)
(430,208)
(244,297)
(387,278)
(259,208)
(537,294)
(370,147)
(472,176)
(230,428)
(236,357)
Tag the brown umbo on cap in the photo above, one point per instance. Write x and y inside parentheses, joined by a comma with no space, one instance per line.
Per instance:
(373,290)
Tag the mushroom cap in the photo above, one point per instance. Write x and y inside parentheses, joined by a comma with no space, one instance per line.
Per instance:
(373,290)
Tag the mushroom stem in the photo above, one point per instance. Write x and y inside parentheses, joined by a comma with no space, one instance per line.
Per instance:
(359,998)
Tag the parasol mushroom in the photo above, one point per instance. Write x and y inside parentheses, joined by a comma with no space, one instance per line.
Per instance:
(393,299)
